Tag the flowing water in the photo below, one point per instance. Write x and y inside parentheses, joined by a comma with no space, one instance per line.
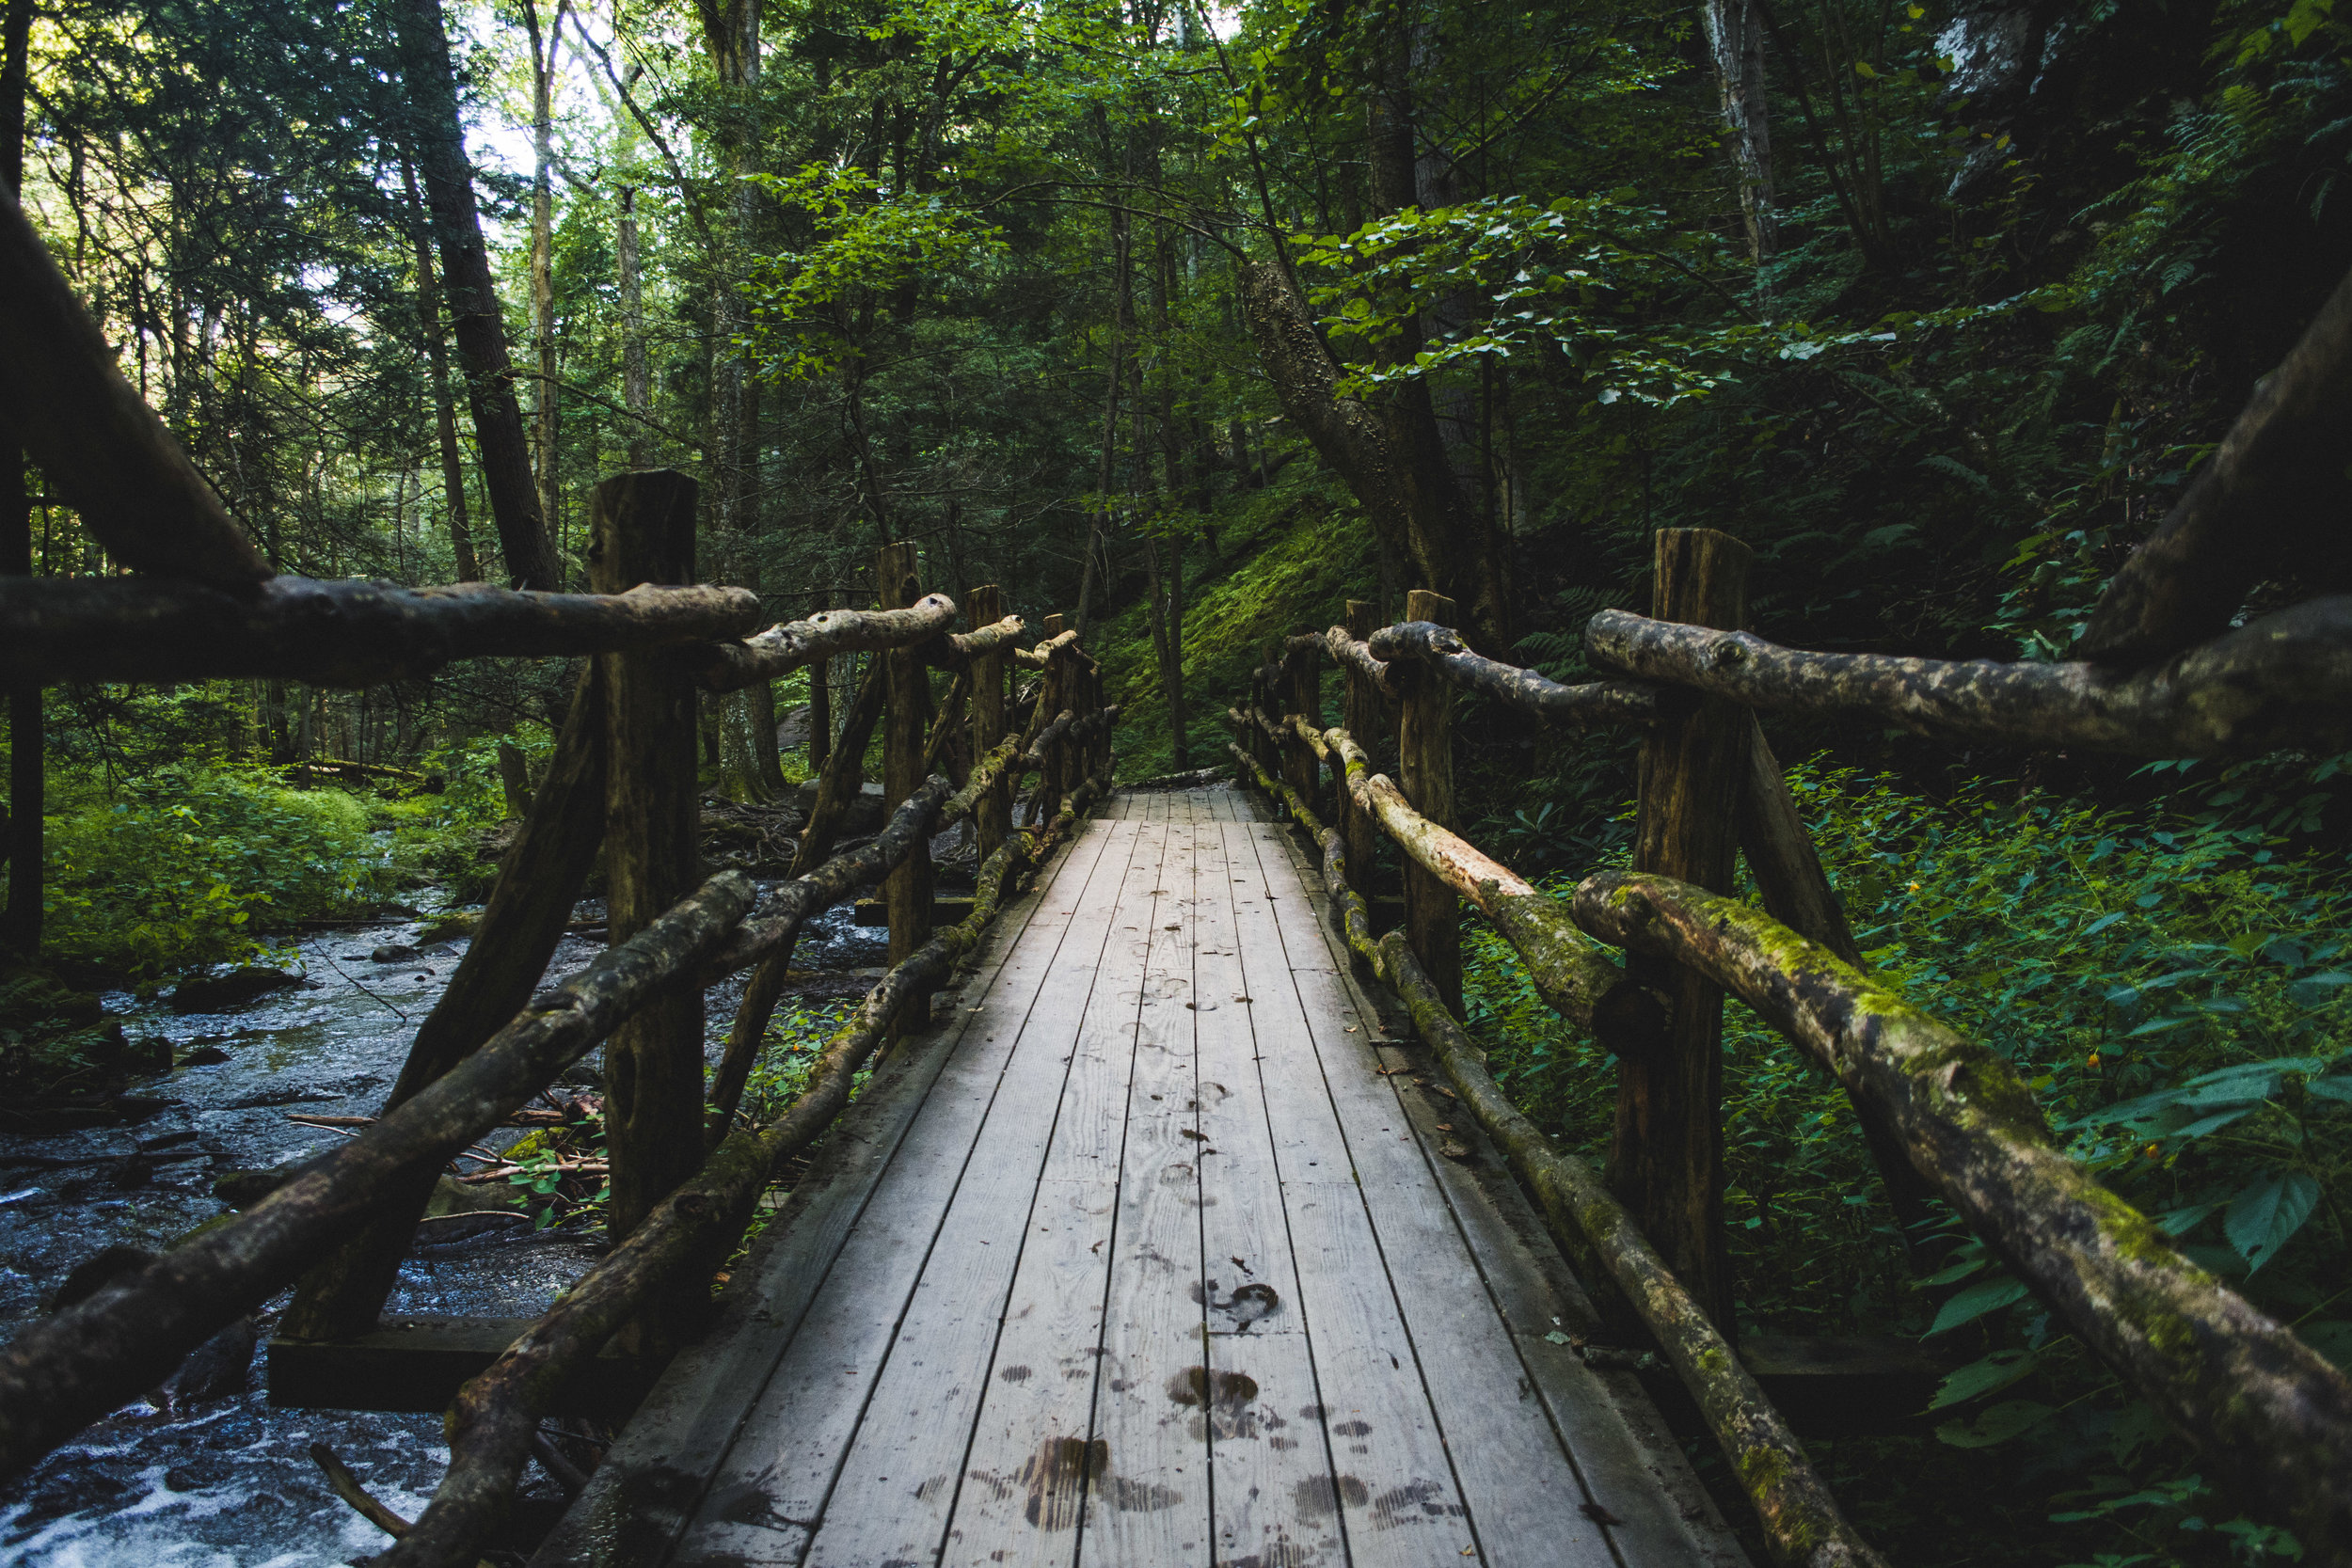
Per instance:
(226,1481)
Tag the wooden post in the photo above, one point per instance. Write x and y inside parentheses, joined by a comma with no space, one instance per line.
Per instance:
(1053,696)
(1266,693)
(993,818)
(907,891)
(1361,717)
(1424,752)
(1302,693)
(819,715)
(642,530)
(1667,1164)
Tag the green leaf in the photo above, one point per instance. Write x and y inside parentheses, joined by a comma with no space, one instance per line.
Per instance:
(1989,1296)
(2263,1217)
(1979,1378)
(1996,1425)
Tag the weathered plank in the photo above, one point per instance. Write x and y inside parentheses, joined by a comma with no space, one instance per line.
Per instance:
(697,1444)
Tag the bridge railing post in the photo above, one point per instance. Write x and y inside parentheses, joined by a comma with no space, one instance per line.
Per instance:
(907,891)
(1058,692)
(1424,752)
(992,816)
(1667,1161)
(1302,694)
(642,530)
(1361,713)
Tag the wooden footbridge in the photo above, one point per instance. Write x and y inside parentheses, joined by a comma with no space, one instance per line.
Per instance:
(1156,1235)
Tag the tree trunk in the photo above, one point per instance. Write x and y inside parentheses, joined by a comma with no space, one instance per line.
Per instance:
(635,379)
(1735,36)
(544,56)
(473,303)
(20,928)
(444,406)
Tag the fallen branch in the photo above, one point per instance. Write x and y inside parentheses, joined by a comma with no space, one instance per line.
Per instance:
(2269,1412)
(791,644)
(59,1375)
(348,633)
(1581,706)
(2284,680)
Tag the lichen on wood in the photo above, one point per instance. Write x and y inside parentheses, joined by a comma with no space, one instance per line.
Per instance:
(2282,680)
(791,644)
(1441,648)
(2269,1413)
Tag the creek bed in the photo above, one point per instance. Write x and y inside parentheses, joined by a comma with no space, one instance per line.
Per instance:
(226,1481)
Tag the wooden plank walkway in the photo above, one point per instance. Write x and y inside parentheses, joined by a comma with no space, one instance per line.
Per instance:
(1144,1255)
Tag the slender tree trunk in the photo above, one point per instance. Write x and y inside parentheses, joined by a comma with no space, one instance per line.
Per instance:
(441,151)
(1123,328)
(444,406)
(1735,36)
(545,53)
(636,378)
(19,925)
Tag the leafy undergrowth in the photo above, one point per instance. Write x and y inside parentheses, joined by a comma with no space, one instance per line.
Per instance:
(2178,989)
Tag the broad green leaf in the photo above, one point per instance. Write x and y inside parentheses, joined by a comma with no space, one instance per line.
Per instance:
(1997,1425)
(1989,1296)
(2263,1217)
(1979,1378)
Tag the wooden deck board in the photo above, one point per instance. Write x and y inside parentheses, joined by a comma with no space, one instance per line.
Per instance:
(1136,1261)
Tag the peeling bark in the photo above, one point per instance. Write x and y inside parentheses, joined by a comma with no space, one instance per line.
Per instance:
(788,645)
(1577,706)
(2284,680)
(2272,1415)
(346,633)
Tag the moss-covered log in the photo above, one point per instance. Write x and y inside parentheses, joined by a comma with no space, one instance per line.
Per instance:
(1352,654)
(1350,916)
(2269,1413)
(348,633)
(2271,495)
(65,1371)
(1579,706)
(791,644)
(1800,1518)
(1568,971)
(2284,680)
(98,444)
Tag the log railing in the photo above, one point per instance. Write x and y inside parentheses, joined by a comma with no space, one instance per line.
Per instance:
(622,778)
(1944,1115)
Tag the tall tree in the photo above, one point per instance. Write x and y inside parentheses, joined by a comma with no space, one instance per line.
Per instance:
(436,362)
(437,134)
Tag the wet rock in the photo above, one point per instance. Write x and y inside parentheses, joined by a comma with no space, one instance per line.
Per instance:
(239,988)
(445,928)
(204,1055)
(392,953)
(242,1189)
(218,1367)
(108,1266)
(33,996)
(144,1058)
(135,1171)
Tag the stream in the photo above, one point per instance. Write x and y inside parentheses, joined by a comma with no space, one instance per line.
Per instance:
(226,1481)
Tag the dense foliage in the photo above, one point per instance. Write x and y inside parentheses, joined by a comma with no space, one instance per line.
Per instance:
(1936,305)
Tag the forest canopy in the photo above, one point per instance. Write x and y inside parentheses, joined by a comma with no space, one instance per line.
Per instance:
(1192,323)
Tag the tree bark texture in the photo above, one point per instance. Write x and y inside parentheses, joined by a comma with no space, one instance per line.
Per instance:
(636,373)
(430,76)
(1734,36)
(644,532)
(349,633)
(2282,680)
(791,644)
(1366,680)
(1595,703)
(68,1369)
(2272,494)
(1302,698)
(99,446)
(1666,1161)
(2267,1411)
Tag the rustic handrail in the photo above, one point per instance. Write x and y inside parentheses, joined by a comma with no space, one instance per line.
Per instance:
(2282,680)
(345,633)
(1801,1520)
(790,646)
(1629,703)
